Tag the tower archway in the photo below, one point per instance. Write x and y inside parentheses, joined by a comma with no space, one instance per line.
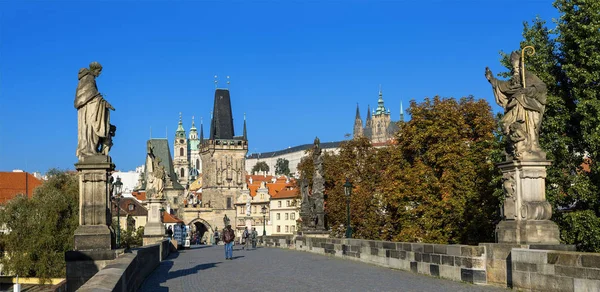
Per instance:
(202,228)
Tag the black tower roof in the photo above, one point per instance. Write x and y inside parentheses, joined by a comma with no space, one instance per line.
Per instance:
(221,126)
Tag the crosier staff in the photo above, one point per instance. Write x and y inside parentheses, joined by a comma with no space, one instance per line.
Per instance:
(530,50)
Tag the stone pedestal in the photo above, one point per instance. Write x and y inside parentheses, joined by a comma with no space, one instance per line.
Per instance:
(93,232)
(526,212)
(315,233)
(154,231)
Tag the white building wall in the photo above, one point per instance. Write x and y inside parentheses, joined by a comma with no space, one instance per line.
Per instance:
(292,212)
(294,158)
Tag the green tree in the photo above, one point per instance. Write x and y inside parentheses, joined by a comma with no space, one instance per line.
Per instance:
(440,179)
(568,61)
(41,228)
(260,166)
(282,167)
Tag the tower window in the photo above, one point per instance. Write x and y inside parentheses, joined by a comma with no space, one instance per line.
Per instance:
(228,203)
(197,163)
(182,171)
(181,151)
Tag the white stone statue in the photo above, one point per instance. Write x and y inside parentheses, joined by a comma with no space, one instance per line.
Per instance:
(248,206)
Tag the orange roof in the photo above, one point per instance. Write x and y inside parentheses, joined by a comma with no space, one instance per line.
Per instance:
(286,194)
(274,188)
(258,178)
(141,196)
(170,218)
(15,183)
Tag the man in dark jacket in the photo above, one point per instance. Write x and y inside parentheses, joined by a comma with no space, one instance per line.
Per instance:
(228,237)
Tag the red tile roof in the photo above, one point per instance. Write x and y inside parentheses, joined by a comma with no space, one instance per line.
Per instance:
(139,195)
(170,218)
(15,183)
(286,194)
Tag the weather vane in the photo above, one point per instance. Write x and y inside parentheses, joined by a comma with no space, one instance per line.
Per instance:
(227,81)
(216,81)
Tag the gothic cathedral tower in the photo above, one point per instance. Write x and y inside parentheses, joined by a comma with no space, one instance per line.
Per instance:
(180,162)
(358,124)
(223,158)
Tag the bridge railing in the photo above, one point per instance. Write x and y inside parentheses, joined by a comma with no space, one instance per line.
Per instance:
(128,271)
(521,266)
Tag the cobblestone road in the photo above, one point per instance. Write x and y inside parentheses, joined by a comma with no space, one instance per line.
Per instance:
(204,268)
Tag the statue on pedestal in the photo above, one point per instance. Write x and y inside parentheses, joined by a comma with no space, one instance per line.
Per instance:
(94,131)
(157,178)
(248,204)
(523,98)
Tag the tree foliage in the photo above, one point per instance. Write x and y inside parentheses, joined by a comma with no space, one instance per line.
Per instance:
(41,228)
(282,167)
(567,59)
(260,166)
(438,182)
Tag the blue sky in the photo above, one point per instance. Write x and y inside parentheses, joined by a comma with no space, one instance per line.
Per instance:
(298,68)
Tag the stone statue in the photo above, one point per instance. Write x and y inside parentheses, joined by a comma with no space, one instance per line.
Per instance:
(248,204)
(523,98)
(226,220)
(318,188)
(157,177)
(94,131)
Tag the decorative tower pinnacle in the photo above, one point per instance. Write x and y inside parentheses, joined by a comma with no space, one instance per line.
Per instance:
(201,131)
(358,125)
(245,133)
(193,130)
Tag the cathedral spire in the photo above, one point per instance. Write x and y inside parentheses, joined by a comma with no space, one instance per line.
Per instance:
(380,107)
(368,112)
(245,133)
(357,113)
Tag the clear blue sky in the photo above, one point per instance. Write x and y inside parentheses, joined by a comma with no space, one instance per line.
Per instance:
(297,68)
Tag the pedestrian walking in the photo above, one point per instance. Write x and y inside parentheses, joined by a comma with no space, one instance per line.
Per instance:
(245,237)
(228,237)
(254,237)
(216,242)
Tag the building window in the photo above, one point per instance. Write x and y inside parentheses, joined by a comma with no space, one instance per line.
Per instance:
(254,210)
(198,164)
(241,210)
(228,203)
(293,228)
(278,216)
(181,151)
(292,216)
(287,203)
(182,172)
(174,201)
(278,228)
(287,229)
(286,216)
(131,207)
(279,204)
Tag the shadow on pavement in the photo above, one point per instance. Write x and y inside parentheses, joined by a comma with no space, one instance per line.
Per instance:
(237,257)
(192,270)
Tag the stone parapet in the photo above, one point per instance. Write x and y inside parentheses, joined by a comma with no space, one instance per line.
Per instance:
(530,267)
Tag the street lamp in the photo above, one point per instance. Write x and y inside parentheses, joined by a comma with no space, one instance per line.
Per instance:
(118,186)
(348,191)
(263,210)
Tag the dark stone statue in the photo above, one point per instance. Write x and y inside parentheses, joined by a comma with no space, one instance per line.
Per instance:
(524,102)
(94,131)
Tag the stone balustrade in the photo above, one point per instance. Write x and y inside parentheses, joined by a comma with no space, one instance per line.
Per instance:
(128,271)
(520,266)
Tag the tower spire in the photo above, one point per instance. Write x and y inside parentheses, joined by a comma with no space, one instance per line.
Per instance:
(357,113)
(380,107)
(401,112)
(245,133)
(180,133)
(368,112)
(201,131)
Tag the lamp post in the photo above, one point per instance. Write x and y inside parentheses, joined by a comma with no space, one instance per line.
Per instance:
(263,210)
(348,192)
(118,186)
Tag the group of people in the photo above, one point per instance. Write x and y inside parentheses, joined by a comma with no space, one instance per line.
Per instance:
(248,237)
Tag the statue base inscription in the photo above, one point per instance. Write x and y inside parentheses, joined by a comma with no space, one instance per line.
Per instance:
(154,231)
(93,232)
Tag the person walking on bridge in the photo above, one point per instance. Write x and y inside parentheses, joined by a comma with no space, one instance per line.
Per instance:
(228,237)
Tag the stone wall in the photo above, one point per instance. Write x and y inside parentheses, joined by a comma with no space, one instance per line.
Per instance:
(128,271)
(454,262)
(546,270)
(523,267)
